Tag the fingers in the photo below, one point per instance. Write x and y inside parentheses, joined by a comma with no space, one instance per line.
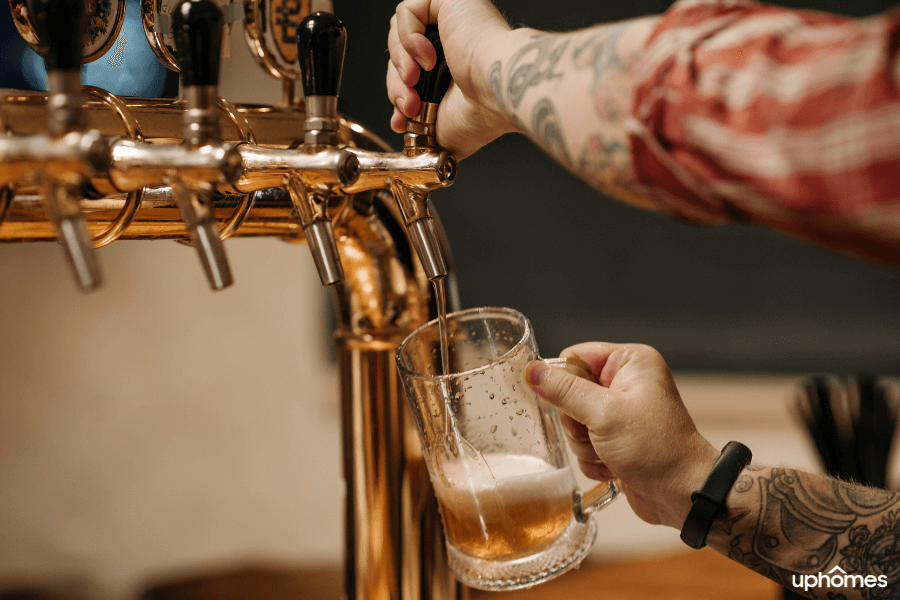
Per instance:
(404,99)
(580,399)
(412,17)
(596,470)
(406,66)
(607,360)
(409,51)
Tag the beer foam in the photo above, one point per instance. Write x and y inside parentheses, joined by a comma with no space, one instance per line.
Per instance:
(506,471)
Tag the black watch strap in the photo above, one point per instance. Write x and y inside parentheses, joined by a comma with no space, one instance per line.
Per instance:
(708,503)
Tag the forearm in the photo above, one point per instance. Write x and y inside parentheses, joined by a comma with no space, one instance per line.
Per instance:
(571,93)
(807,531)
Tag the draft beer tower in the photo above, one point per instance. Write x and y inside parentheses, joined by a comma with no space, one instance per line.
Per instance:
(84,167)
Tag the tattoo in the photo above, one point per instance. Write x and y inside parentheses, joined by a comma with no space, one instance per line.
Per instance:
(495,80)
(547,130)
(733,516)
(743,484)
(602,155)
(539,61)
(877,552)
(599,52)
(803,523)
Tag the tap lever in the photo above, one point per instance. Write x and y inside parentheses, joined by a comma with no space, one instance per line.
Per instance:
(61,23)
(321,43)
(431,87)
(433,84)
(197,25)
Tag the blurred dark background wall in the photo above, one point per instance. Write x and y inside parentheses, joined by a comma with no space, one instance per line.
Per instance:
(527,234)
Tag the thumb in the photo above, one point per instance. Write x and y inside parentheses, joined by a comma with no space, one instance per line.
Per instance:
(577,397)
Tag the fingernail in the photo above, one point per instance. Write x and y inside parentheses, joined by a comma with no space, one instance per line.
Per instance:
(399,103)
(536,372)
(423,63)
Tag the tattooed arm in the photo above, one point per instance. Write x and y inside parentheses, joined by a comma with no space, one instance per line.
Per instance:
(569,92)
(813,533)
(788,525)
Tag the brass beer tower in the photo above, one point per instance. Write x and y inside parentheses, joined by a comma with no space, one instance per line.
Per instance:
(84,167)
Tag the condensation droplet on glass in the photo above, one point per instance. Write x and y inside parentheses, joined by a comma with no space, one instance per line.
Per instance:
(504,400)
(520,411)
(493,429)
(491,395)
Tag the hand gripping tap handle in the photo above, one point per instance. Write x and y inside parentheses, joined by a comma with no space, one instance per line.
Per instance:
(61,23)
(433,84)
(321,45)
(420,133)
(197,25)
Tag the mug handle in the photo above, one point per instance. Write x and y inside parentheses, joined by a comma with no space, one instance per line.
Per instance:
(603,493)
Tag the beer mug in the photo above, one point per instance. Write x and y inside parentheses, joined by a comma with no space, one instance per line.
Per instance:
(513,516)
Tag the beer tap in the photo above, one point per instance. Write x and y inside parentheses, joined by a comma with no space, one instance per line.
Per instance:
(197,25)
(420,168)
(75,152)
(321,43)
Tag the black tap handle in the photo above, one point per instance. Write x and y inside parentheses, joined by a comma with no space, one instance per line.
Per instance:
(321,42)
(433,84)
(61,24)
(197,25)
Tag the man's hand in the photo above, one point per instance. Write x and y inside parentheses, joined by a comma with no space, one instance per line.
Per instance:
(469,116)
(632,427)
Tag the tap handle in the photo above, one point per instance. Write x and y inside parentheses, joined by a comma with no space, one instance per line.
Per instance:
(433,84)
(321,43)
(61,23)
(197,25)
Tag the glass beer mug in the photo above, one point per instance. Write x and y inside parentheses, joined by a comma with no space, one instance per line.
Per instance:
(512,514)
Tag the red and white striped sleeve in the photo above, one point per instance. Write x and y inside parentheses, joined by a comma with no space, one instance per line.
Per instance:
(783,117)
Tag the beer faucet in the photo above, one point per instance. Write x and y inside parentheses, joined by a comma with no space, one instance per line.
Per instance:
(321,43)
(420,168)
(411,192)
(71,153)
(198,38)
(315,172)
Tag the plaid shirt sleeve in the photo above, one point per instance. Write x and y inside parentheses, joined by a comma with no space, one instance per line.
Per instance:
(746,111)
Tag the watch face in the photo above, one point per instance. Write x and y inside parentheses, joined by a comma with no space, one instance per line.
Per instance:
(271,32)
(103,21)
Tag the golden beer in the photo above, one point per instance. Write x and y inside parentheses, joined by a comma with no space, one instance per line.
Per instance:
(517,507)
